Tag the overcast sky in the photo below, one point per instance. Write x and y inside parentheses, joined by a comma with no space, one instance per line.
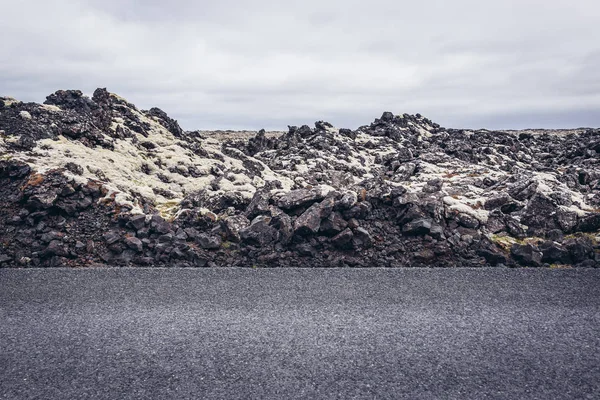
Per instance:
(261,63)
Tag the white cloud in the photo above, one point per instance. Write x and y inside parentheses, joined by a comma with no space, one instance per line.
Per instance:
(238,64)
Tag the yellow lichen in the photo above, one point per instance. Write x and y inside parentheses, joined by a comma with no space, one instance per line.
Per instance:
(506,242)
(560,266)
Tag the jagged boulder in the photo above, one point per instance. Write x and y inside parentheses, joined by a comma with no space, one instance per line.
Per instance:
(497,201)
(259,204)
(538,215)
(333,224)
(523,190)
(526,254)
(209,242)
(259,232)
(14,169)
(233,225)
(566,220)
(300,197)
(310,221)
(580,248)
(553,252)
(137,222)
(421,226)
(590,223)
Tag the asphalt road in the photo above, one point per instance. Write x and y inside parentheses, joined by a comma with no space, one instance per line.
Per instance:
(289,333)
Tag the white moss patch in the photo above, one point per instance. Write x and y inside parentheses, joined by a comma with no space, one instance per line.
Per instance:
(158,176)
(465,206)
(9,101)
(50,107)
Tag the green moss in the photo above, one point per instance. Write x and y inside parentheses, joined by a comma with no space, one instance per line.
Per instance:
(560,266)
(506,242)
(591,236)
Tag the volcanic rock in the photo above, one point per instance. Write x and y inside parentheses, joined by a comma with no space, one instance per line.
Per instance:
(134,244)
(420,226)
(259,232)
(299,197)
(97,180)
(208,242)
(527,255)
(343,239)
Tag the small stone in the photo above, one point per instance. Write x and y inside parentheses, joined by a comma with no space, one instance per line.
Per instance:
(306,250)
(580,248)
(566,220)
(343,240)
(523,190)
(143,233)
(111,237)
(209,242)
(468,239)
(134,244)
(556,235)
(418,227)
(259,204)
(348,200)
(192,233)
(181,235)
(353,223)
(437,232)
(159,225)
(137,222)
(404,154)
(468,221)
(24,260)
(57,248)
(74,168)
(387,116)
(362,238)
(166,238)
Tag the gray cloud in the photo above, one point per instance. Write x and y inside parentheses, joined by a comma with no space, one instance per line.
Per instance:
(237,64)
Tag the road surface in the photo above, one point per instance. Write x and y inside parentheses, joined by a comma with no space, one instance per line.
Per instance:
(300,333)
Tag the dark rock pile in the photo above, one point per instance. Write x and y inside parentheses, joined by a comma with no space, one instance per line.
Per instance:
(87,181)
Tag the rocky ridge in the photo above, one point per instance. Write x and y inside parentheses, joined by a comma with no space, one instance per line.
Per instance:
(88,181)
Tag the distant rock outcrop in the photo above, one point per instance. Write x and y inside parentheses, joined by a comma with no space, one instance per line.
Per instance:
(88,181)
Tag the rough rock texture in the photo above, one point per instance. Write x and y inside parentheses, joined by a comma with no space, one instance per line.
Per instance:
(86,181)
